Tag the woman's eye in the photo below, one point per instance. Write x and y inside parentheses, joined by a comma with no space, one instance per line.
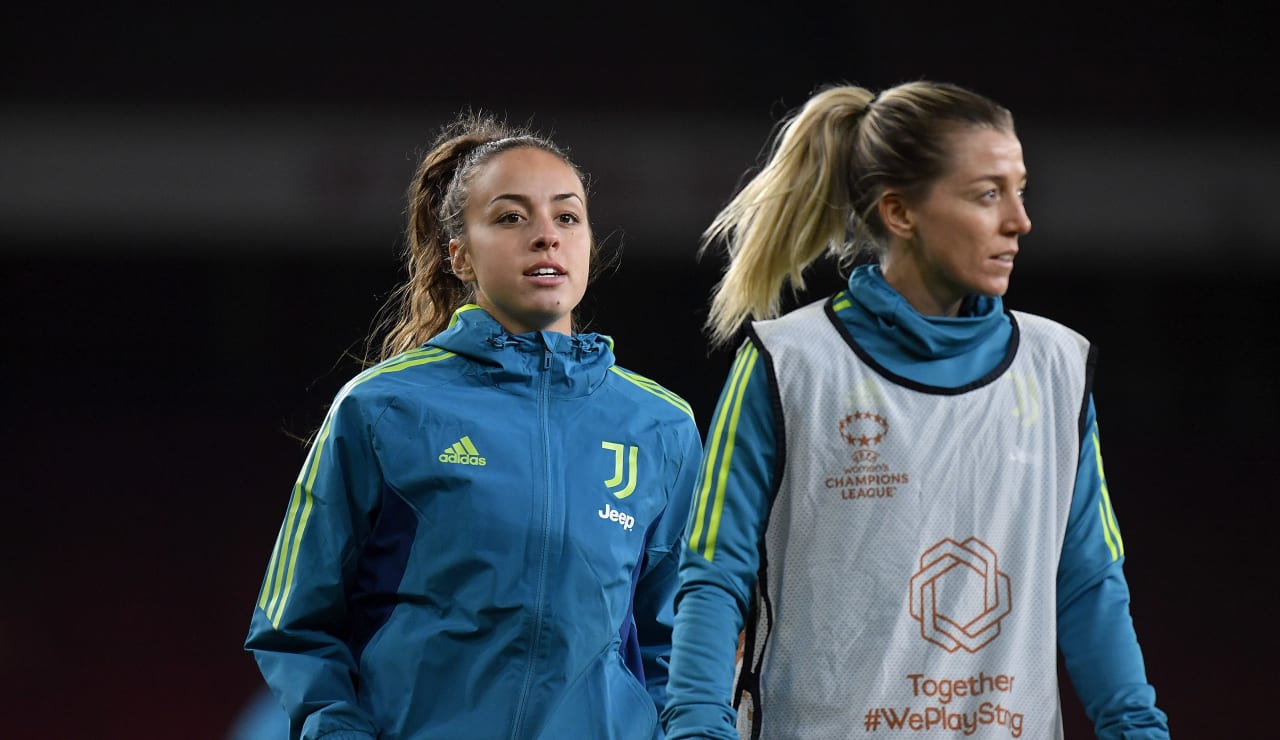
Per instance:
(570,218)
(509,218)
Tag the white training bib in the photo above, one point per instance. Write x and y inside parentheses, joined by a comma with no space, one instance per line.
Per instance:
(908,571)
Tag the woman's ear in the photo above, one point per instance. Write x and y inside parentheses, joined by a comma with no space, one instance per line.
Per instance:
(896,215)
(460,261)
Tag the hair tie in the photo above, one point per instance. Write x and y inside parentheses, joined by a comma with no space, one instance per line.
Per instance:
(857,120)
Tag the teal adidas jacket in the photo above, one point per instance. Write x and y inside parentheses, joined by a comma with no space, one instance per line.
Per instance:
(482,543)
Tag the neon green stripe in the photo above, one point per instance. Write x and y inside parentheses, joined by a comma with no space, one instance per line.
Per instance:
(462,309)
(407,355)
(1108,514)
(469,446)
(275,567)
(276,574)
(841,301)
(673,399)
(396,362)
(723,476)
(1111,516)
(293,554)
(400,362)
(1111,519)
(741,370)
(657,390)
(265,590)
(289,542)
(302,494)
(268,583)
(654,388)
(709,457)
(1106,532)
(299,502)
(708,462)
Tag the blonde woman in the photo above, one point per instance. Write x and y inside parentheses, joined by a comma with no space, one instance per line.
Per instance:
(902,503)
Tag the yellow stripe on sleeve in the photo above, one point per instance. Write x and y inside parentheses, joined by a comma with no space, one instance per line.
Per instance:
(268,583)
(657,390)
(275,569)
(723,476)
(841,301)
(1106,532)
(717,462)
(291,538)
(1109,525)
(283,565)
(735,373)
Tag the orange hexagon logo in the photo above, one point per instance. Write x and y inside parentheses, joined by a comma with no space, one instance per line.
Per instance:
(959,595)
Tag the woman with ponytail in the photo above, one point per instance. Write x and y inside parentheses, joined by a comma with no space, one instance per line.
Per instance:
(483,539)
(901,514)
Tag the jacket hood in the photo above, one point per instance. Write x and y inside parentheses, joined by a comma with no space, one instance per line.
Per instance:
(576,363)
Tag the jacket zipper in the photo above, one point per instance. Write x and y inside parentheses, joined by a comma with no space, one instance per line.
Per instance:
(535,643)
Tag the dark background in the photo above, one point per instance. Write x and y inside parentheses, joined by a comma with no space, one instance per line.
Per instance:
(200,213)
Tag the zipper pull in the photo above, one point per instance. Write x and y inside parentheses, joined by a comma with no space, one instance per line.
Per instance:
(546,359)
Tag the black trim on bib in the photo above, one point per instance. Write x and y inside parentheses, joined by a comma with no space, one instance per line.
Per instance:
(749,674)
(936,390)
(1090,365)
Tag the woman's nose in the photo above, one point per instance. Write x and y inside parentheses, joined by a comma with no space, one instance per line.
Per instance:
(1019,222)
(545,236)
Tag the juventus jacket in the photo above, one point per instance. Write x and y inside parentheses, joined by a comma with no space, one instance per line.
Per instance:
(482,542)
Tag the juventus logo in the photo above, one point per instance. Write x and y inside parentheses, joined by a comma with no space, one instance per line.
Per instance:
(1028,399)
(624,456)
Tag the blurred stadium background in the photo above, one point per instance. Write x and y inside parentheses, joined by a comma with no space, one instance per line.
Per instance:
(200,211)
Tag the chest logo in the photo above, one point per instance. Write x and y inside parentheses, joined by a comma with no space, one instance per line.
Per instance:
(1027,398)
(462,452)
(864,428)
(610,514)
(960,595)
(624,467)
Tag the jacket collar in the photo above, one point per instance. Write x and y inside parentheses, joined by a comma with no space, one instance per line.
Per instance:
(575,364)
(924,337)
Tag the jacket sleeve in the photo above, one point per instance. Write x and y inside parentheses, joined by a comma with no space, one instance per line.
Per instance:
(1095,631)
(296,633)
(656,588)
(719,558)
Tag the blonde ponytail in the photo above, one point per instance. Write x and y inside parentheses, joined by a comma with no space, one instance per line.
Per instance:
(794,209)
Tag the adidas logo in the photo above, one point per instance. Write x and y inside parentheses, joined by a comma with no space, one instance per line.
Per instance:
(462,452)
